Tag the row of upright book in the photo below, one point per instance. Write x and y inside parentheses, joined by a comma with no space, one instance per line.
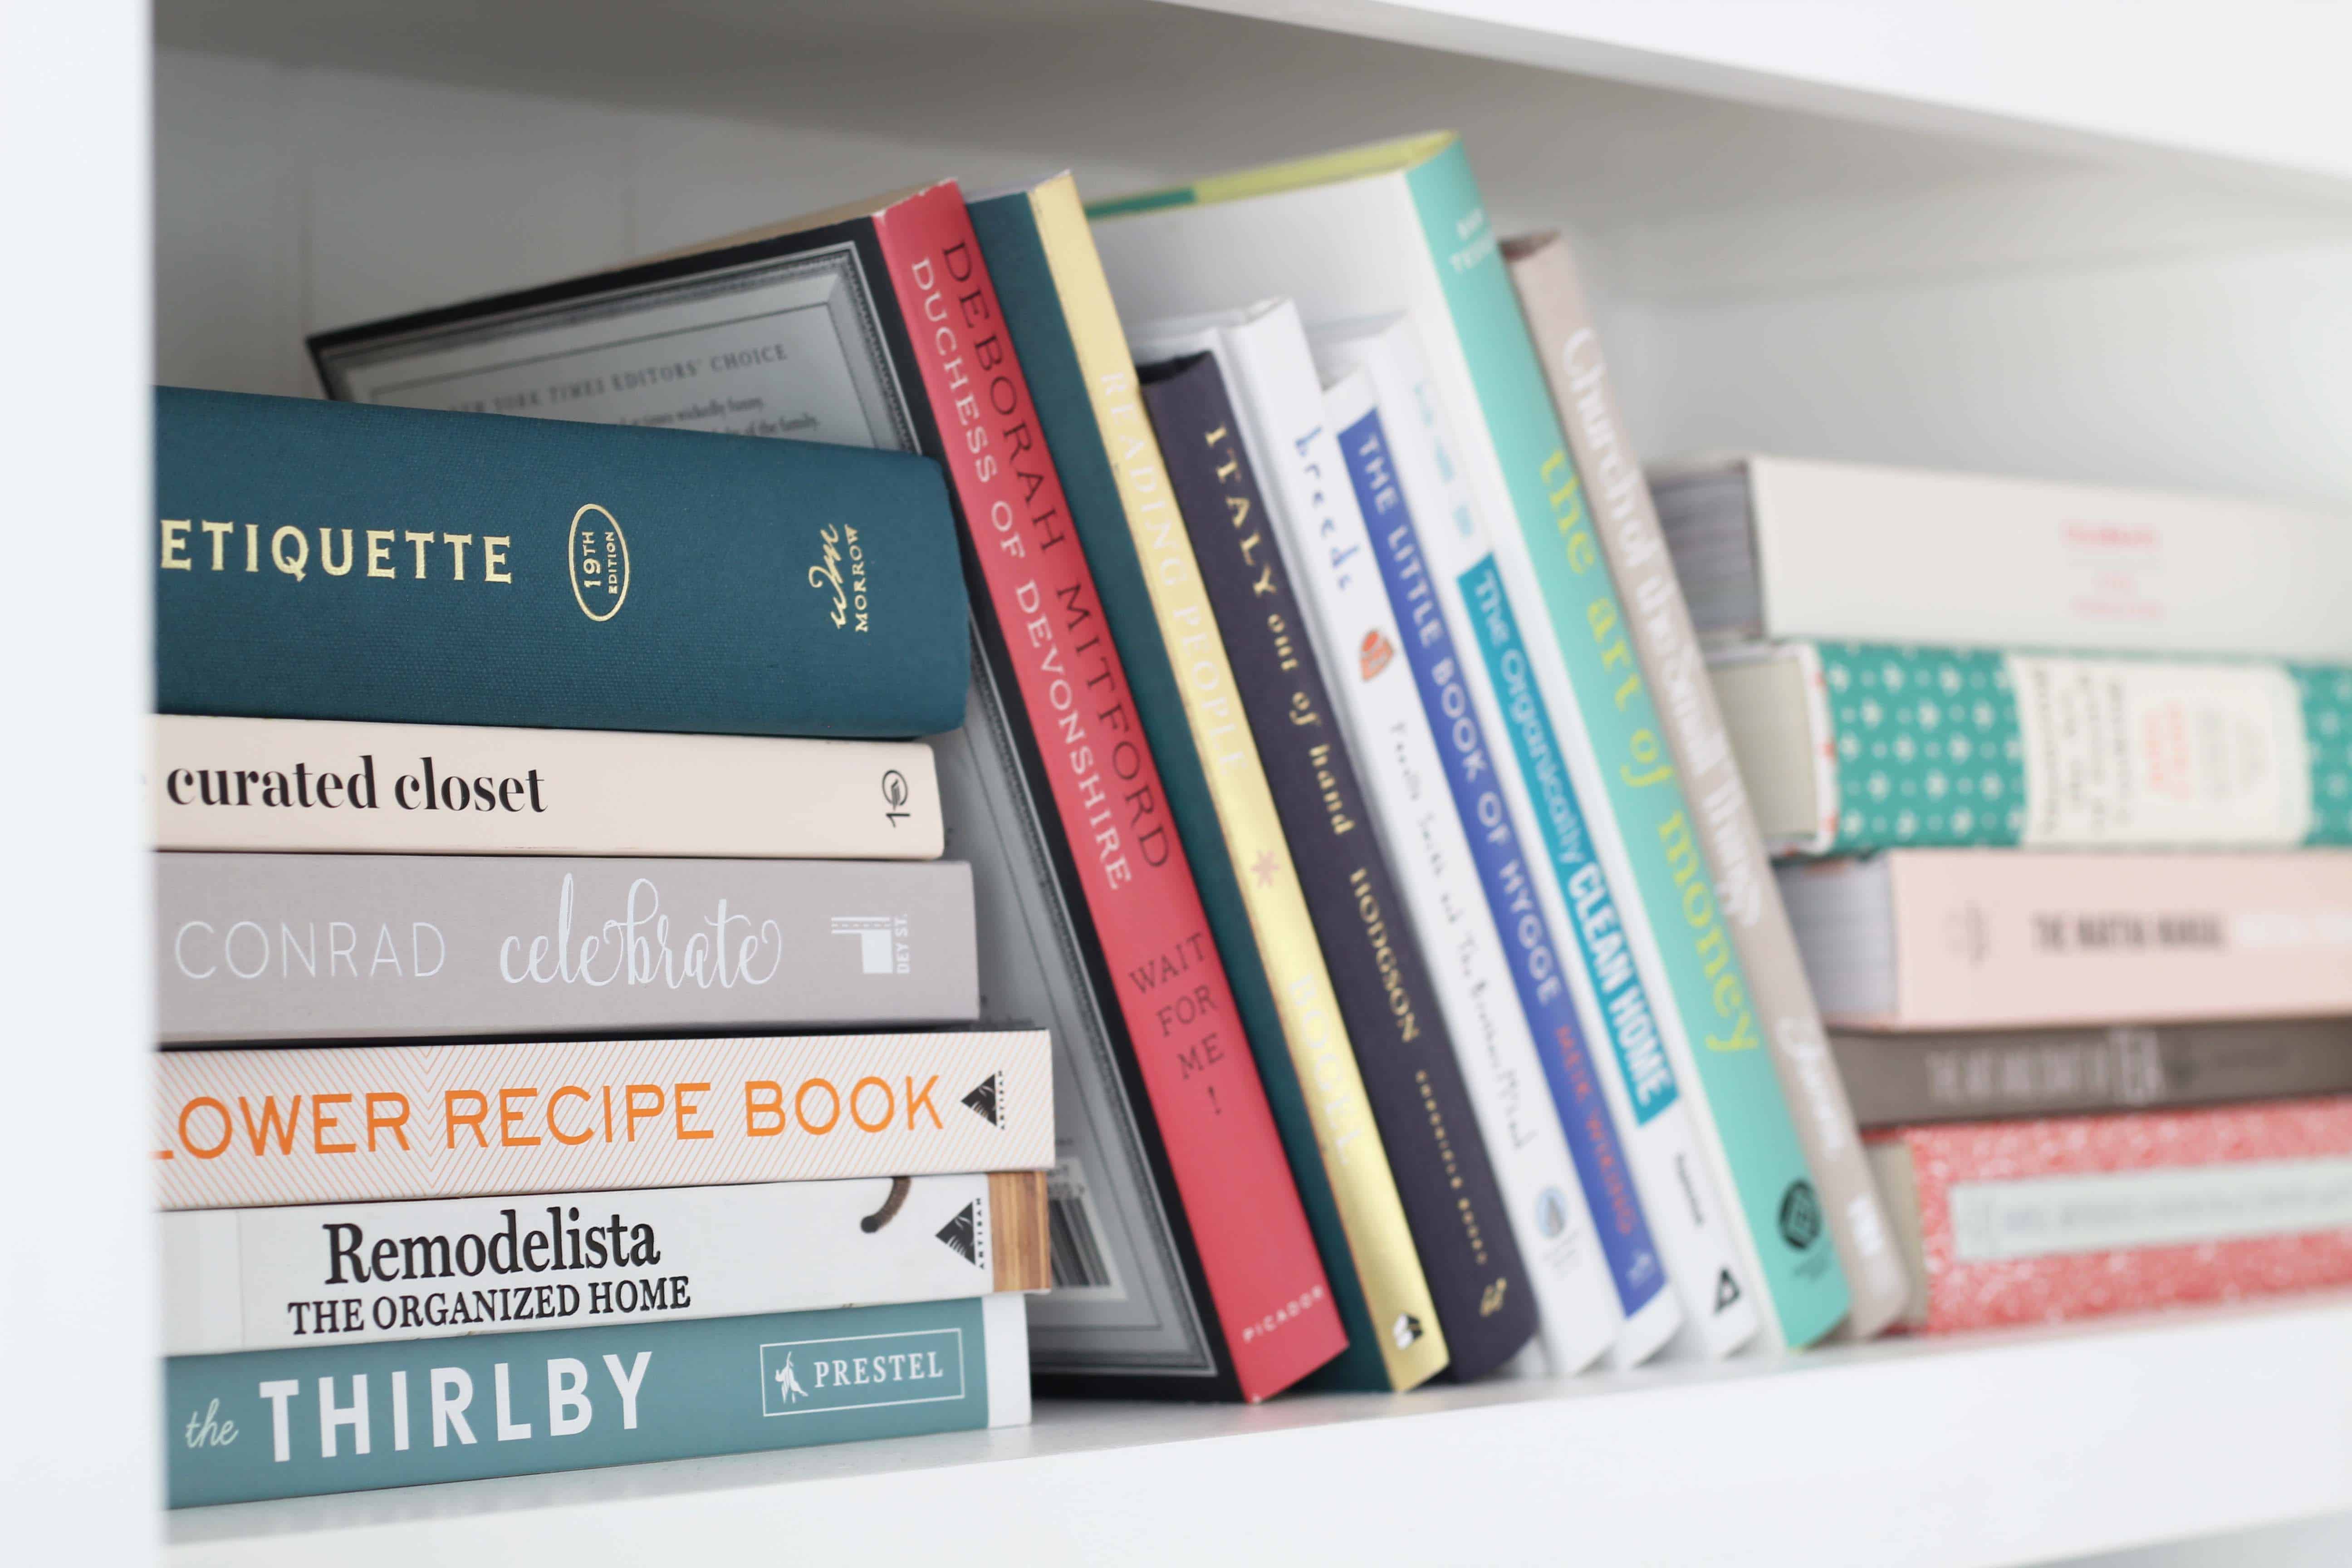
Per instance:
(1206,671)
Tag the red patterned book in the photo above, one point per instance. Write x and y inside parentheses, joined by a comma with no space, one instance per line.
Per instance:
(1183,1264)
(2076,1216)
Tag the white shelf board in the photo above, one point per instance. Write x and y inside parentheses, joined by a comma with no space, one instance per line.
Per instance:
(1989,1449)
(1688,172)
(2262,89)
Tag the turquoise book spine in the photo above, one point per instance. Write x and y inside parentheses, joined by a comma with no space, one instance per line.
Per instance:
(1932,748)
(354,1418)
(1033,311)
(1701,968)
(333,561)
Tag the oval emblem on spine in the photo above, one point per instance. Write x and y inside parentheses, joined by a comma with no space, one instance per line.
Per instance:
(600,563)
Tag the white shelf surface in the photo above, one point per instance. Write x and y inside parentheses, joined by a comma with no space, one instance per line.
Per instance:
(2106,75)
(1993,1449)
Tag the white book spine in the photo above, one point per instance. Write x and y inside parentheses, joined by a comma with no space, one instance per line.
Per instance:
(2044,566)
(329,787)
(1271,379)
(1693,1226)
(261,1278)
(1550,678)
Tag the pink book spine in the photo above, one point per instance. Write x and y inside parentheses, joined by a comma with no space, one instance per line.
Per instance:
(1996,938)
(2299,1150)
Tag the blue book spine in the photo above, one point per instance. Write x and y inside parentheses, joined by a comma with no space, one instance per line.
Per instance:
(334,1418)
(1505,875)
(333,560)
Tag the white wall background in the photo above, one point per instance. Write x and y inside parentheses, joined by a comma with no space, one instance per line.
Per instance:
(290,200)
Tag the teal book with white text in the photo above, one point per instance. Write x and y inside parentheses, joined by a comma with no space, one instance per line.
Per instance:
(335,1417)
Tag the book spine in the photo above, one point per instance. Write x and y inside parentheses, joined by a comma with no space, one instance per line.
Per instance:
(263,1278)
(1404,1049)
(1969,747)
(1667,648)
(429,789)
(2023,1222)
(358,1124)
(1900,1079)
(1567,891)
(1414,808)
(1281,1315)
(1582,661)
(2045,565)
(320,947)
(1039,591)
(1504,876)
(583,577)
(1985,939)
(354,1418)
(1312,1046)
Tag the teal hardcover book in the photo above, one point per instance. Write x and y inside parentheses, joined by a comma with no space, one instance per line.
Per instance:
(331,560)
(1701,968)
(352,1417)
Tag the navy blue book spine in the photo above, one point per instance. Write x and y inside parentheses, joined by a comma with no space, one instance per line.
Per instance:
(1402,1048)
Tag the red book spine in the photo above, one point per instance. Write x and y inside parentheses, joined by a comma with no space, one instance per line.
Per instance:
(1998,1251)
(1264,1273)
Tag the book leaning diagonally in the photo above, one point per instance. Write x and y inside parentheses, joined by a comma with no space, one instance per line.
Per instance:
(1263,373)
(1125,518)
(1413,1072)
(1610,1000)
(1401,226)
(1545,277)
(1347,1141)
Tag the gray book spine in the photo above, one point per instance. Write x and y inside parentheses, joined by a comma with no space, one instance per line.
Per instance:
(1561,322)
(1903,1079)
(328,947)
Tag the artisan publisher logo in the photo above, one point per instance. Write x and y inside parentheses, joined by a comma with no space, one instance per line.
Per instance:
(599,555)
(840,574)
(861,1372)
(1800,1215)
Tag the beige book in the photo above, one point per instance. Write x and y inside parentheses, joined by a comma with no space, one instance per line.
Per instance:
(1561,324)
(329,787)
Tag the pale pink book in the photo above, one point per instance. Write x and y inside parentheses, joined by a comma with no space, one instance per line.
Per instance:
(1989,938)
(2022,1222)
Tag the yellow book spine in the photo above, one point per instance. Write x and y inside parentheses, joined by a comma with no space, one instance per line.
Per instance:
(1386,1262)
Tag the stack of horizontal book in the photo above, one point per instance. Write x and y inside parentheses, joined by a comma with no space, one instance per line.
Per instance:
(506,946)
(2068,773)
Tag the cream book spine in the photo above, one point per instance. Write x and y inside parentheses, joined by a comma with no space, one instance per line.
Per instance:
(332,786)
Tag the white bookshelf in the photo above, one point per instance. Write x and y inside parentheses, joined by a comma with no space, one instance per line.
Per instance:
(2005,1448)
(2108,241)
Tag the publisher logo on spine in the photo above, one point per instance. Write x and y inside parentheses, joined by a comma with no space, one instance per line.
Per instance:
(599,555)
(882,946)
(861,1372)
(1800,1215)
